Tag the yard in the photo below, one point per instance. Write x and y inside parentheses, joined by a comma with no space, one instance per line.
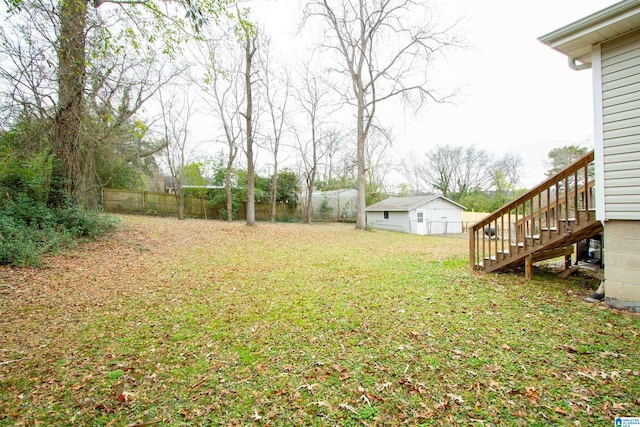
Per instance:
(204,322)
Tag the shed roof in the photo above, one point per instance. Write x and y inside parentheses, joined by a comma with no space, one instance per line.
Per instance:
(575,40)
(401,204)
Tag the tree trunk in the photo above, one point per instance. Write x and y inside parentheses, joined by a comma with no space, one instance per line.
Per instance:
(274,191)
(361,218)
(67,144)
(227,186)
(180,201)
(251,207)
(308,213)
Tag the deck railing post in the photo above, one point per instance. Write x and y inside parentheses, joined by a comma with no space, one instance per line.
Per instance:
(472,248)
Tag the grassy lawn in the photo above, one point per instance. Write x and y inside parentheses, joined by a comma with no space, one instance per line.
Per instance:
(208,323)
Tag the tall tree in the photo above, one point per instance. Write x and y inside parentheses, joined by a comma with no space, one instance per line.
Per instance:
(176,112)
(473,172)
(311,97)
(561,157)
(70,34)
(276,94)
(505,174)
(381,57)
(378,161)
(117,82)
(250,48)
(440,168)
(72,66)
(223,80)
(411,168)
(456,171)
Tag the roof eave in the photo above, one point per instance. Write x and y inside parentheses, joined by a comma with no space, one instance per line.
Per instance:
(575,40)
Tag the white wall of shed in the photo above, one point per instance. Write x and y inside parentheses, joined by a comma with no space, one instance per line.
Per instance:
(398,221)
(434,211)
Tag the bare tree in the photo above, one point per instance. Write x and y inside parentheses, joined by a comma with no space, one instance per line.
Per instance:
(473,172)
(276,94)
(311,98)
(505,174)
(176,113)
(27,86)
(382,58)
(378,159)
(411,167)
(440,168)
(250,48)
(223,79)
(457,171)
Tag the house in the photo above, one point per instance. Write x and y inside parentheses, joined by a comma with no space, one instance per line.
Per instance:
(418,215)
(608,43)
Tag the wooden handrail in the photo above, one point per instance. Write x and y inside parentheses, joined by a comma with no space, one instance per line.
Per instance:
(573,195)
(583,161)
(534,220)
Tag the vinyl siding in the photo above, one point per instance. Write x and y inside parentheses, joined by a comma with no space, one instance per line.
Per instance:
(621,126)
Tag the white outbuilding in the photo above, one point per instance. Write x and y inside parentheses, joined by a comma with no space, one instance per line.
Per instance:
(417,215)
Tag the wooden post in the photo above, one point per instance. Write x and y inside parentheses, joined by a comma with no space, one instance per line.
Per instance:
(528,267)
(472,249)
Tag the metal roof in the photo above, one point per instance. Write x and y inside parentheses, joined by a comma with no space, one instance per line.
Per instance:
(402,204)
(575,40)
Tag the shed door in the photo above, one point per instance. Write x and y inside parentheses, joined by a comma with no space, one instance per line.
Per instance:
(442,221)
(421,227)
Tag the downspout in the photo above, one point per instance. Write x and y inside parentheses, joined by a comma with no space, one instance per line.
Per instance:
(599,293)
(578,67)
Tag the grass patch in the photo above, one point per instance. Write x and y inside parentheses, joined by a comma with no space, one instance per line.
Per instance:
(202,322)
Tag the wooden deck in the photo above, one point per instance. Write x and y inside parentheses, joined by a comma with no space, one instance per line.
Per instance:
(540,224)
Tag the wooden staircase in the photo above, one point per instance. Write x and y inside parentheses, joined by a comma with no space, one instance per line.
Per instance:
(541,224)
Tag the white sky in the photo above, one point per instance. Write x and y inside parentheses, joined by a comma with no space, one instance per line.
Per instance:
(517,95)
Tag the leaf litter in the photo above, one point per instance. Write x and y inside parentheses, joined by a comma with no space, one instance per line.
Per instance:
(194,322)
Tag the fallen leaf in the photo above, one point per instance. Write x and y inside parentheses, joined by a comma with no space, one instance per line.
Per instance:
(619,406)
(256,416)
(457,399)
(383,386)
(571,349)
(347,407)
(532,395)
(125,396)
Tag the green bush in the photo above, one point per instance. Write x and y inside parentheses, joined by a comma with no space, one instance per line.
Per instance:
(29,229)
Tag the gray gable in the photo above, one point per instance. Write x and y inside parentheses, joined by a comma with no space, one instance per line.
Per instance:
(401,204)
